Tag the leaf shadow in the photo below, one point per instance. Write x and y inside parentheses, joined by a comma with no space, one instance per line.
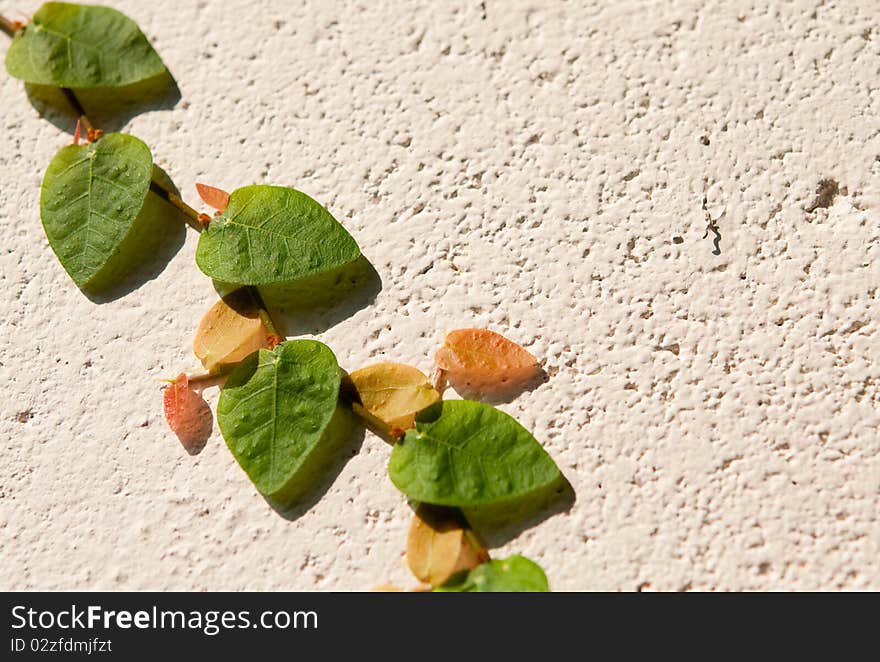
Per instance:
(326,463)
(160,233)
(502,393)
(108,108)
(195,442)
(162,244)
(498,524)
(316,304)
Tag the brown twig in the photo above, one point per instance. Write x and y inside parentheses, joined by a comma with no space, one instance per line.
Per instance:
(10,27)
(192,216)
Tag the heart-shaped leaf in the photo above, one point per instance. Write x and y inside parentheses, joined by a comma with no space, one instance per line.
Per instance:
(90,202)
(515,574)
(188,415)
(464,453)
(230,331)
(482,362)
(440,545)
(81,46)
(275,412)
(392,394)
(273,234)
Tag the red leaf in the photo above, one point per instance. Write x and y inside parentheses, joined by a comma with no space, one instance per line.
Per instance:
(213,197)
(188,415)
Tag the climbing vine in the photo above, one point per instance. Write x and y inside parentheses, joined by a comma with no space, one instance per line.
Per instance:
(285,406)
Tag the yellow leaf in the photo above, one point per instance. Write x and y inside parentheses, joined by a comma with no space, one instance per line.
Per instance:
(393,393)
(229,331)
(439,545)
(483,362)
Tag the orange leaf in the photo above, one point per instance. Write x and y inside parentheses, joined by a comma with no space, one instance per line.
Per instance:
(230,331)
(213,197)
(483,362)
(188,415)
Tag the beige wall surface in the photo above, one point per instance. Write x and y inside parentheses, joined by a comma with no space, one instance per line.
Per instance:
(626,188)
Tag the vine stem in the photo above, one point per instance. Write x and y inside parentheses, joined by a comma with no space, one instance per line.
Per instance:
(211,377)
(192,216)
(8,26)
(74,102)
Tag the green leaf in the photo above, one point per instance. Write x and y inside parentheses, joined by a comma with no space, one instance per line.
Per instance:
(91,198)
(273,234)
(515,574)
(81,46)
(277,410)
(464,453)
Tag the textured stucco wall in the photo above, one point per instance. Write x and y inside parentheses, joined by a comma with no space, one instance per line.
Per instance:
(535,167)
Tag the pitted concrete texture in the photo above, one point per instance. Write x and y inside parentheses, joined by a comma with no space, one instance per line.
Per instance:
(628,189)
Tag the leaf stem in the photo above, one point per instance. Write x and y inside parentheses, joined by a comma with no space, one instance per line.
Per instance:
(271,327)
(74,102)
(9,27)
(192,216)
(211,378)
